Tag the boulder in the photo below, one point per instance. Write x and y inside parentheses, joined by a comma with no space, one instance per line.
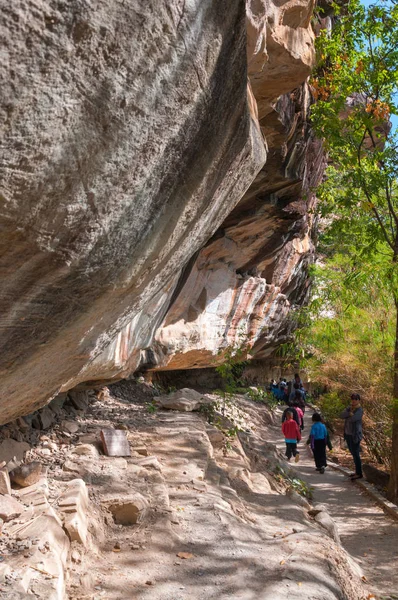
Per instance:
(70,426)
(94,118)
(47,417)
(10,508)
(26,475)
(11,448)
(86,450)
(57,403)
(79,399)
(185,400)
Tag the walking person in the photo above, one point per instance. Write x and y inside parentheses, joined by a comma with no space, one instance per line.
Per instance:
(293,411)
(300,415)
(297,393)
(291,431)
(318,440)
(352,416)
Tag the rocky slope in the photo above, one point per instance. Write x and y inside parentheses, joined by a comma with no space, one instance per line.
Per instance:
(130,134)
(183,517)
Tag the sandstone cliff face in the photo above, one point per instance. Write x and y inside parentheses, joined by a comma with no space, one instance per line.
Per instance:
(245,281)
(129,137)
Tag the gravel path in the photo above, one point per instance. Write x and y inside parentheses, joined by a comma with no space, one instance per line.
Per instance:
(366,532)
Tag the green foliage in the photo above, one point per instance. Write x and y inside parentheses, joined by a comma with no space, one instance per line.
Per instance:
(331,405)
(350,333)
(347,344)
(263,397)
(227,425)
(294,482)
(151,407)
(346,335)
(232,367)
(356,85)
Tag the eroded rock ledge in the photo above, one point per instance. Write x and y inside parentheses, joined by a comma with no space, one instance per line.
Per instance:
(129,137)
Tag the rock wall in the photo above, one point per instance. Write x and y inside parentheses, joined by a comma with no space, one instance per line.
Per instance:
(247,278)
(243,282)
(130,134)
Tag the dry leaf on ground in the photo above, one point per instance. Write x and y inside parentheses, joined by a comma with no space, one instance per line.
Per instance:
(185,555)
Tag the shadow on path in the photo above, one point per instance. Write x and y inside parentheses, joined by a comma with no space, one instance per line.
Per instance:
(366,532)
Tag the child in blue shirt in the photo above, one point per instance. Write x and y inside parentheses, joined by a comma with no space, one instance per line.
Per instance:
(318,440)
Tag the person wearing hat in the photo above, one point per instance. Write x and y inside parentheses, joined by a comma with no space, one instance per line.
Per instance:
(352,416)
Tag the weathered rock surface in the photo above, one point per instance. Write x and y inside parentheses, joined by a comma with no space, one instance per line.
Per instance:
(247,277)
(244,282)
(131,237)
(10,449)
(5,484)
(325,520)
(185,400)
(10,508)
(280,48)
(127,140)
(127,510)
(73,505)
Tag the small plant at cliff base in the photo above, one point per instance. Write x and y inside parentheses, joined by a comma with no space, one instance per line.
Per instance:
(356,85)
(231,370)
(151,407)
(213,417)
(263,397)
(293,482)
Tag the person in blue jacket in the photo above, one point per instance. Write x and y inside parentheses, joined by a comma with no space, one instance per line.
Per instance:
(318,440)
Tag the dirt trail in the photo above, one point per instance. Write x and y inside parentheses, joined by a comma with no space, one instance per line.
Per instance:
(245,539)
(366,532)
(213,525)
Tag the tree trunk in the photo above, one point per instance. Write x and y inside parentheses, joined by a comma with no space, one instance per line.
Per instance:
(392,492)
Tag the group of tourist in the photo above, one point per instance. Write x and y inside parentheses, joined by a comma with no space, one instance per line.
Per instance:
(288,391)
(319,440)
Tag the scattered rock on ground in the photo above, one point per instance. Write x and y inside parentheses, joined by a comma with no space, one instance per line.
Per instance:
(10,449)
(57,403)
(185,400)
(47,417)
(26,475)
(86,450)
(70,426)
(79,399)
